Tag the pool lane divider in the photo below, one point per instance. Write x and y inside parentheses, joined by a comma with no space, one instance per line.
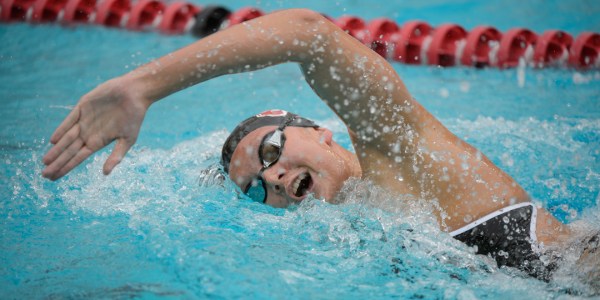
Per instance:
(415,42)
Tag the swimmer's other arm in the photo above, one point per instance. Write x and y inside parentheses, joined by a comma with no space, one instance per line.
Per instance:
(340,69)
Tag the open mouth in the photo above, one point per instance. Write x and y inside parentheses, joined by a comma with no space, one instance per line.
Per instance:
(302,185)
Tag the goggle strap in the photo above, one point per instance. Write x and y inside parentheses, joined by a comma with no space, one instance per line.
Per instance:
(287,122)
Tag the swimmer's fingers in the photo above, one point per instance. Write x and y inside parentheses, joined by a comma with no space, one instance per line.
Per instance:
(77,152)
(66,125)
(79,157)
(61,145)
(53,170)
(123,145)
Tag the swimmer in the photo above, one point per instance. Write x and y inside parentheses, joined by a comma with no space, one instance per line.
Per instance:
(279,158)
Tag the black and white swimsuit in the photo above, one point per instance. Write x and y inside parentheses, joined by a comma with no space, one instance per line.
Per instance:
(509,236)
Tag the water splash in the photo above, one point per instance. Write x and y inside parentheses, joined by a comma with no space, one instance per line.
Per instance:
(198,231)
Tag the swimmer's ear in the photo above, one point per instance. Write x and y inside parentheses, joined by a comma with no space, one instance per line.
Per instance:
(325,135)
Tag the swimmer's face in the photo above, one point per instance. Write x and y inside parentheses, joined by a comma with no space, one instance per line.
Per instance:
(310,163)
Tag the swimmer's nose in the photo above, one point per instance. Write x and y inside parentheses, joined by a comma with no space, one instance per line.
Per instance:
(274,178)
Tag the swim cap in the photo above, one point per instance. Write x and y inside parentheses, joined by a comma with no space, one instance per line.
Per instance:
(273,117)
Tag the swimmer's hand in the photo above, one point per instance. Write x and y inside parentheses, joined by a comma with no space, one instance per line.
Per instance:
(110,112)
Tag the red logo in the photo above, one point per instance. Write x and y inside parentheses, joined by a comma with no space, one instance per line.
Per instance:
(272,113)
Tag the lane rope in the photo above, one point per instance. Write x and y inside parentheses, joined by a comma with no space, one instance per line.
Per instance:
(414,42)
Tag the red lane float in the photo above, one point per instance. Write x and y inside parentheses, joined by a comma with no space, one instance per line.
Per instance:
(47,10)
(15,10)
(444,45)
(354,26)
(5,8)
(414,42)
(144,13)
(479,44)
(243,15)
(111,12)
(177,17)
(513,45)
(79,11)
(381,34)
(408,45)
(585,50)
(552,47)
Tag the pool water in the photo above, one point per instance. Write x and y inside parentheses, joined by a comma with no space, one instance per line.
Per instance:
(161,226)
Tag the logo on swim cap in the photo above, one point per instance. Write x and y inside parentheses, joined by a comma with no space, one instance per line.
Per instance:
(272,113)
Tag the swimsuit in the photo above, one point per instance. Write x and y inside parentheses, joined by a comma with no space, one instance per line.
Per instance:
(508,235)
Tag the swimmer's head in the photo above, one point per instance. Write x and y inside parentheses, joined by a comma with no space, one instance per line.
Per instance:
(280,158)
(273,117)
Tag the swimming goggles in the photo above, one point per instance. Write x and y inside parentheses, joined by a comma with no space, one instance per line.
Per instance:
(269,152)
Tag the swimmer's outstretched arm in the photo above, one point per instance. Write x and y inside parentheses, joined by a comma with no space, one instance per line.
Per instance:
(399,144)
(392,133)
(340,69)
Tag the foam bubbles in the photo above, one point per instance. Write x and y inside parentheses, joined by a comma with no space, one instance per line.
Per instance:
(176,207)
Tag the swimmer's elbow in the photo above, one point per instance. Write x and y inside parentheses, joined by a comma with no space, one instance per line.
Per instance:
(305,17)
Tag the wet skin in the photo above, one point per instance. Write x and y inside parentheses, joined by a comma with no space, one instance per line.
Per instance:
(306,150)
(400,146)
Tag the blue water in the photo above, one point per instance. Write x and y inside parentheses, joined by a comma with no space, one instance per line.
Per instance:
(157,229)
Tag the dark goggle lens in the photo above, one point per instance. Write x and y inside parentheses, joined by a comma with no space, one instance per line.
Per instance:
(256,190)
(270,148)
(269,153)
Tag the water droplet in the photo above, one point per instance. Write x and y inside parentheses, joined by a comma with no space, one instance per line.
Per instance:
(468,218)
(444,93)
